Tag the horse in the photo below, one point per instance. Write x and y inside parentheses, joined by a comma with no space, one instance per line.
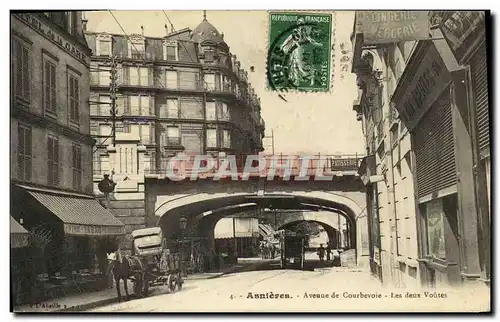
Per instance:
(124,267)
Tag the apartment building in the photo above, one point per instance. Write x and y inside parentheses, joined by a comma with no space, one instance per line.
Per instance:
(181,93)
(424,108)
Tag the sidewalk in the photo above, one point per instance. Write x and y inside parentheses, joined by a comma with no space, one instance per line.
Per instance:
(77,302)
(87,301)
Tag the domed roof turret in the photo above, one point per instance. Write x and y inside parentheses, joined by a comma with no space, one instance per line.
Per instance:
(206,32)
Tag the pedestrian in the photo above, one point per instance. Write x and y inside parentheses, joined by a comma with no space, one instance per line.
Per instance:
(328,251)
(273,251)
(321,253)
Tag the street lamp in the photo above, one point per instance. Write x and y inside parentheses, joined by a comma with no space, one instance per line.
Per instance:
(182,226)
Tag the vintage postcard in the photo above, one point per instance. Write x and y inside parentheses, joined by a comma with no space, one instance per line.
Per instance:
(250,161)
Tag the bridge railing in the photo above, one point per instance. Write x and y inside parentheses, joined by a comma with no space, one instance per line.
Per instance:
(258,165)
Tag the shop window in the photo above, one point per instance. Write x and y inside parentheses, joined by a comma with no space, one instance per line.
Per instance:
(53,170)
(434,221)
(77,166)
(24,151)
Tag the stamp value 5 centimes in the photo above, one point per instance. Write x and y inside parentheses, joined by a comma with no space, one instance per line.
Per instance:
(299,55)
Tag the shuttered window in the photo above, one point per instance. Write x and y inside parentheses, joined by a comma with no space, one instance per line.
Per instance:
(21,61)
(479,76)
(74,98)
(53,160)
(434,148)
(77,166)
(24,153)
(49,86)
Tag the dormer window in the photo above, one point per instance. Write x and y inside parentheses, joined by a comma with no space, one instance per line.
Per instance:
(137,48)
(104,45)
(171,51)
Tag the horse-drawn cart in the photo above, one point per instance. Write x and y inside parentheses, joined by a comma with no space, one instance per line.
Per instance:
(162,266)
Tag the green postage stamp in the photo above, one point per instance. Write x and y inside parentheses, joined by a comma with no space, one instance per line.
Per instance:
(299,55)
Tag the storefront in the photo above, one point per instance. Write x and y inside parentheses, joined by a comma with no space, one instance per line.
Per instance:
(423,101)
(465,33)
(70,236)
(19,268)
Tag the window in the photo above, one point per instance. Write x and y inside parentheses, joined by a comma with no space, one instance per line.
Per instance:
(172,108)
(173,137)
(144,76)
(133,76)
(137,50)
(188,80)
(435,229)
(104,133)
(209,82)
(105,105)
(226,139)
(96,160)
(171,51)
(53,160)
(210,111)
(211,138)
(49,86)
(74,98)
(104,76)
(147,134)
(224,113)
(23,152)
(77,166)
(145,105)
(134,105)
(103,47)
(171,79)
(226,83)
(21,70)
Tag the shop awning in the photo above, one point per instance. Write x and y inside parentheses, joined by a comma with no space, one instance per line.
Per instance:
(81,214)
(18,235)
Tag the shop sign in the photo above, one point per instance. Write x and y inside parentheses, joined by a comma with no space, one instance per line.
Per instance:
(345,164)
(383,27)
(462,29)
(428,81)
(88,230)
(52,35)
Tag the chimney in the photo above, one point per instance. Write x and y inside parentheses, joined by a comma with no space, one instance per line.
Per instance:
(142,30)
(166,29)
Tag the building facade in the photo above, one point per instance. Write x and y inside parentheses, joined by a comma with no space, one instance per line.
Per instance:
(51,147)
(427,137)
(182,93)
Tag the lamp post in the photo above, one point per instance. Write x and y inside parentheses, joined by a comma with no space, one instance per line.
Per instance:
(182,226)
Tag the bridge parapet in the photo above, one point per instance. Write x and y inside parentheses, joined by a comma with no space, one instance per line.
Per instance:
(243,167)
